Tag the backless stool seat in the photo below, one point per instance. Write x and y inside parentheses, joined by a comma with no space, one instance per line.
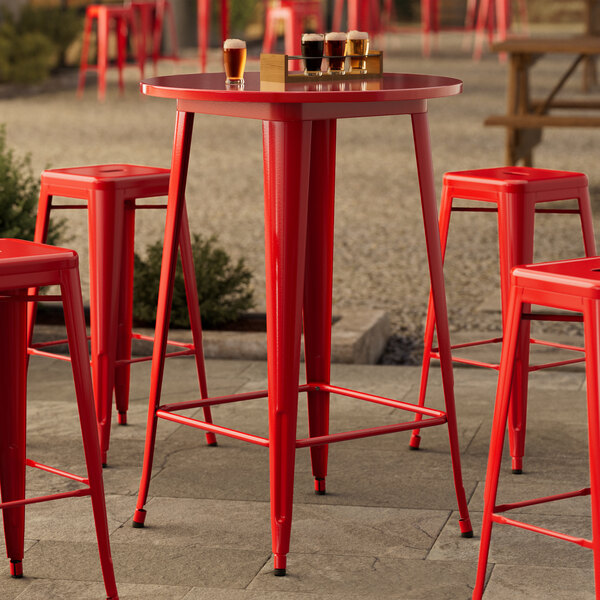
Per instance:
(111,193)
(572,285)
(26,265)
(518,193)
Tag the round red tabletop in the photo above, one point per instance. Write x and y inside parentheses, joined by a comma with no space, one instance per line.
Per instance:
(389,87)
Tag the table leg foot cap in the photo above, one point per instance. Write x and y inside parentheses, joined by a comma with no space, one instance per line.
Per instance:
(415,442)
(466,534)
(16,569)
(138,518)
(279,572)
(517,471)
(122,418)
(320,486)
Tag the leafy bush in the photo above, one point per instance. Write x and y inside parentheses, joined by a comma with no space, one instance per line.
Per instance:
(224,291)
(35,42)
(19,191)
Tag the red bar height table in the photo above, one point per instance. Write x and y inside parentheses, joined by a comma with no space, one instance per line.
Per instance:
(299,141)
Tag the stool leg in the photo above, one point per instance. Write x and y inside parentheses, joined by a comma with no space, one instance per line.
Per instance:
(40,235)
(337,15)
(318,282)
(179,166)
(87,30)
(125,318)
(191,292)
(13,375)
(106,216)
(78,350)
(168,9)
(592,359)
(203,30)
(121,31)
(102,52)
(269,39)
(445,212)
(516,218)
(587,222)
(434,256)
(507,361)
(286,156)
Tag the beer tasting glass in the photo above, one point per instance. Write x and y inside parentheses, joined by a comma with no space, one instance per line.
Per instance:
(335,48)
(312,52)
(358,48)
(234,58)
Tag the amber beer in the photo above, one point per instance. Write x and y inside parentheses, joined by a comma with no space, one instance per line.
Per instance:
(358,48)
(335,48)
(234,58)
(312,52)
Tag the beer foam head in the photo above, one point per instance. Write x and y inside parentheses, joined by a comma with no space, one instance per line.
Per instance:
(358,35)
(312,37)
(335,36)
(233,43)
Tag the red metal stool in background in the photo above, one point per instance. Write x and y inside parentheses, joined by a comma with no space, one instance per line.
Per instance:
(111,192)
(152,17)
(24,265)
(568,285)
(293,13)
(106,16)
(516,192)
(364,15)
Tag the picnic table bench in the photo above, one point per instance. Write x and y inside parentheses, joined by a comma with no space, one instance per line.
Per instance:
(526,117)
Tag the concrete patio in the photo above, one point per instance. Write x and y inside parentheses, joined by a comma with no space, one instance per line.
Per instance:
(386,529)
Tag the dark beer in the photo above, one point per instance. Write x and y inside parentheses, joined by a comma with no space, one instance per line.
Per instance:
(312,51)
(234,59)
(357,49)
(335,48)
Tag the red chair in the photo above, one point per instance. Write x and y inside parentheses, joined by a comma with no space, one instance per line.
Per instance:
(111,193)
(294,14)
(572,285)
(24,265)
(107,17)
(151,17)
(363,15)
(518,194)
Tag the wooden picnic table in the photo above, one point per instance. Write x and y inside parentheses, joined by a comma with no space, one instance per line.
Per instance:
(525,117)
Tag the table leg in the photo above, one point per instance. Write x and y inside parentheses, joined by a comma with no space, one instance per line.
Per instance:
(13,375)
(318,282)
(179,167)
(286,147)
(434,255)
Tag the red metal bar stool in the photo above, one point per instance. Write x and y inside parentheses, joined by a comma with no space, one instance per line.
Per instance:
(24,265)
(106,16)
(516,192)
(151,18)
(293,13)
(364,15)
(111,193)
(572,285)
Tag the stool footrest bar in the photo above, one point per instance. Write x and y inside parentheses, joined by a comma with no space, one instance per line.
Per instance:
(37,499)
(238,435)
(513,505)
(469,361)
(213,401)
(549,532)
(55,471)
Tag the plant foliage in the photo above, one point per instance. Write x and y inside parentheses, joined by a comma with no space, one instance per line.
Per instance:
(224,291)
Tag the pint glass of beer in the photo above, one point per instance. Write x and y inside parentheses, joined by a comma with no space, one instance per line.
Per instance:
(234,58)
(335,48)
(358,48)
(312,51)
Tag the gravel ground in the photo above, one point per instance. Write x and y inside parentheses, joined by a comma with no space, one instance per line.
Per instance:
(379,248)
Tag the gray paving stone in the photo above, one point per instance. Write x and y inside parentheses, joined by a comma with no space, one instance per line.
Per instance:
(91,590)
(381,576)
(220,594)
(516,582)
(10,588)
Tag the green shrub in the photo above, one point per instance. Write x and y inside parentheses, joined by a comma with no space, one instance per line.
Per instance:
(19,191)
(224,291)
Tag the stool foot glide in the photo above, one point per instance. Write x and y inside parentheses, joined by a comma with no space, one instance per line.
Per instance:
(572,285)
(111,193)
(26,265)
(516,194)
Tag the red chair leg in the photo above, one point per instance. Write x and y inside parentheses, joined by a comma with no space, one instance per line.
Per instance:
(87,30)
(337,15)
(318,282)
(102,27)
(13,375)
(105,222)
(75,323)
(587,227)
